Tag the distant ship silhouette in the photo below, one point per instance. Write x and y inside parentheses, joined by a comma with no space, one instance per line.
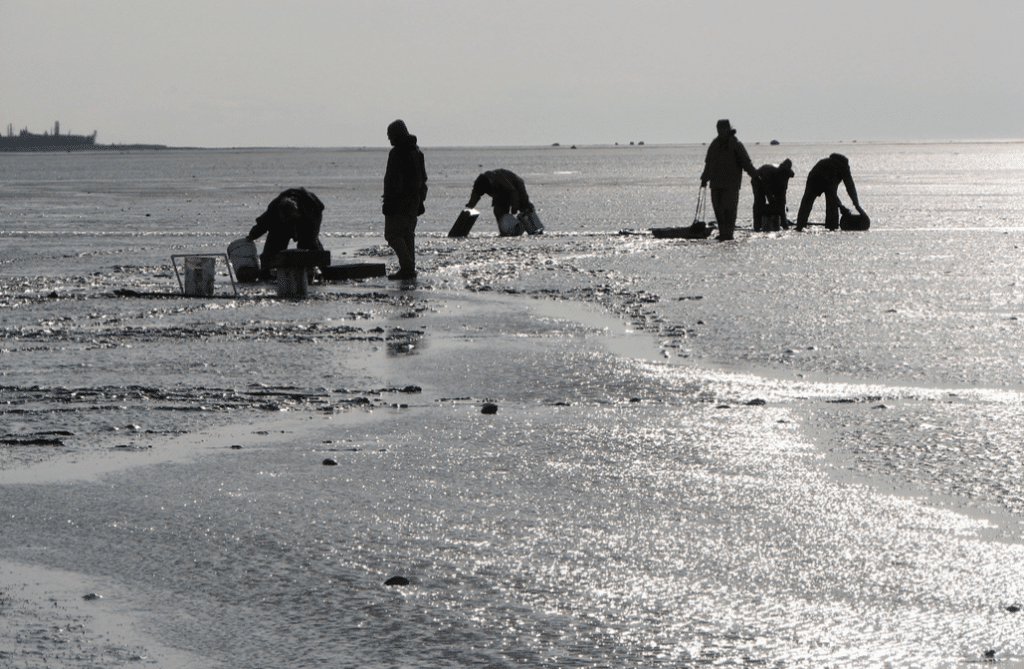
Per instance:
(30,141)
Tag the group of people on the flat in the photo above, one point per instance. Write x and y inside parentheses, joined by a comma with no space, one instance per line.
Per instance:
(405,190)
(725,163)
(296,213)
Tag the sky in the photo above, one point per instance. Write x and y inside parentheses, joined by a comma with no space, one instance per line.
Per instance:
(334,73)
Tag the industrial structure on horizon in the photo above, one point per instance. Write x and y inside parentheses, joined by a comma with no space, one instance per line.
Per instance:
(28,141)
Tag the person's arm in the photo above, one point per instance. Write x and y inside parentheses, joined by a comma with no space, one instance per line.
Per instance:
(704,176)
(744,159)
(263,222)
(257,230)
(851,190)
(474,197)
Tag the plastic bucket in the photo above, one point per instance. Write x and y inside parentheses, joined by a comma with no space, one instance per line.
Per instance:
(531,222)
(509,226)
(199,275)
(291,282)
(244,259)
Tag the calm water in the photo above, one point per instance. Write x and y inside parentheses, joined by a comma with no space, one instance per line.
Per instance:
(629,505)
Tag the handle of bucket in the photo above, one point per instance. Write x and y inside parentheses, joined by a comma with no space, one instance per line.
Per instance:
(700,213)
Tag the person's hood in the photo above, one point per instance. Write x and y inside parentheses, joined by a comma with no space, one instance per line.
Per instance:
(409,141)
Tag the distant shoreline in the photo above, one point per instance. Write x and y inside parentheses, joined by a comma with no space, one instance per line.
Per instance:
(638,147)
(69,148)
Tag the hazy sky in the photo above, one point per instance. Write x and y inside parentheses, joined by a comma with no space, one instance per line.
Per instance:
(512,72)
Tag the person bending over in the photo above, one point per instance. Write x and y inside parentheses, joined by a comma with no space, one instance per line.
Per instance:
(508,196)
(824,179)
(770,194)
(294,214)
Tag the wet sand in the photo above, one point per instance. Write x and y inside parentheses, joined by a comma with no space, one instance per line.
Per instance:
(795,449)
(409,382)
(51,616)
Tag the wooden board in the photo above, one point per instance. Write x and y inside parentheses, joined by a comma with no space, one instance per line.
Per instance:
(301,258)
(362,270)
(464,223)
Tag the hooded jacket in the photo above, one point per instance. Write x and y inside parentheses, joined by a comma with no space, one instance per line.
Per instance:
(725,163)
(307,226)
(506,189)
(774,180)
(828,173)
(405,179)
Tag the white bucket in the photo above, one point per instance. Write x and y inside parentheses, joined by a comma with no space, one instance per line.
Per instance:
(199,275)
(244,259)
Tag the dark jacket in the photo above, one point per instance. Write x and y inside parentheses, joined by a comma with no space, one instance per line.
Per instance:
(725,163)
(506,189)
(774,180)
(405,180)
(828,173)
(307,226)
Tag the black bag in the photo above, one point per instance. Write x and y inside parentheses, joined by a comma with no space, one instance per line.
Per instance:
(852,221)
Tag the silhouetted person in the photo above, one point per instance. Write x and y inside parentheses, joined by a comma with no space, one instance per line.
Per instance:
(724,165)
(405,190)
(824,179)
(294,214)
(508,196)
(770,192)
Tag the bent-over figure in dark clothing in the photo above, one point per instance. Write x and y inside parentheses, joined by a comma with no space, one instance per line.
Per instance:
(770,192)
(507,191)
(824,179)
(294,214)
(405,191)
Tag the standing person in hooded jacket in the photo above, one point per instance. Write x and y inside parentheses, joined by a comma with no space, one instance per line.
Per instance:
(508,196)
(724,165)
(405,190)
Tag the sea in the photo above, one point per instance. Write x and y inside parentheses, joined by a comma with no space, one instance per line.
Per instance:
(786,450)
